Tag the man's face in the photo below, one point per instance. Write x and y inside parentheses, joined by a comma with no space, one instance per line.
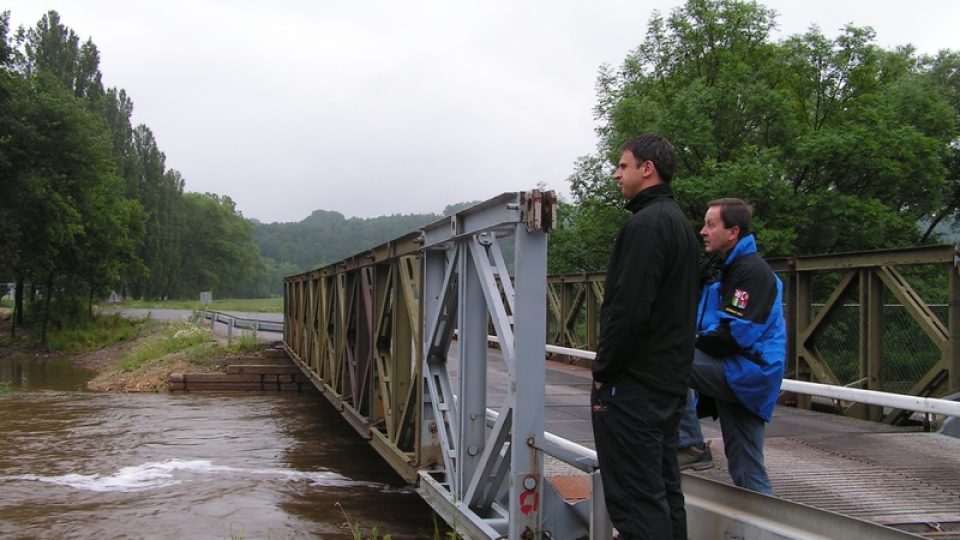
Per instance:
(716,237)
(631,175)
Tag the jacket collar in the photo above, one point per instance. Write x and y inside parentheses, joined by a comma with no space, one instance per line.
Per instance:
(647,196)
(745,246)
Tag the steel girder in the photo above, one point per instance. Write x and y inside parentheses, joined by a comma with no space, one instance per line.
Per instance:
(865,275)
(353,327)
(491,481)
(574,302)
(374,333)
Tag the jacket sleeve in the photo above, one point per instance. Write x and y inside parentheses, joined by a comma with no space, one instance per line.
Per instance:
(747,296)
(629,306)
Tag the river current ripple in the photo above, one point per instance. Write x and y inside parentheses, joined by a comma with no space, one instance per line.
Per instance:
(91,465)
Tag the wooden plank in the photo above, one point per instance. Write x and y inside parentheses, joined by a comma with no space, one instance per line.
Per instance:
(262,369)
(222,387)
(191,378)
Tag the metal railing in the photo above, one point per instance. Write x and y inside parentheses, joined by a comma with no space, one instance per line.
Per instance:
(880,320)
(890,400)
(240,323)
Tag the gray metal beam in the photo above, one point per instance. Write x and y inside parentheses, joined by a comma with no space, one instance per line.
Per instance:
(717,510)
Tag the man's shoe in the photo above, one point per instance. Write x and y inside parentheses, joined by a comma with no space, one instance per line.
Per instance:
(695,458)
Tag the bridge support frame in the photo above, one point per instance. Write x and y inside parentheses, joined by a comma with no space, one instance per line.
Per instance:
(492,478)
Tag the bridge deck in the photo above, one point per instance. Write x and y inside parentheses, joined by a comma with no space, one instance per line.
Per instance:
(889,475)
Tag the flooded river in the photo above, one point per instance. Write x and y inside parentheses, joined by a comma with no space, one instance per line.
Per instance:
(77,464)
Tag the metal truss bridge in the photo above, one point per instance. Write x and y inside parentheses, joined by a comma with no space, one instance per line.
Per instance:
(434,347)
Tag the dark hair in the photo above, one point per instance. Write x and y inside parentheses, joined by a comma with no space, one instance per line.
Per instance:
(656,149)
(734,212)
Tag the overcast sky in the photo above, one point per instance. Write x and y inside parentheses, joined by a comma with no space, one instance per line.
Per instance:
(382,107)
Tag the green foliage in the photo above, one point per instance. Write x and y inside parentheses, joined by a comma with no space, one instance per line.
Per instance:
(174,338)
(218,252)
(246,305)
(87,204)
(96,333)
(326,237)
(246,343)
(452,209)
(839,144)
(5,387)
(356,531)
(587,228)
(275,271)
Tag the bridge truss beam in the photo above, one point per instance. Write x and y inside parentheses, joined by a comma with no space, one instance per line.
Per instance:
(492,479)
(375,333)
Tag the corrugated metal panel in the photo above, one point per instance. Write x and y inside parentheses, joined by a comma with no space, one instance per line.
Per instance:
(906,480)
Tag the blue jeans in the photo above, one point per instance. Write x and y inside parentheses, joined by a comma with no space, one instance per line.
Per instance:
(690,433)
(742,430)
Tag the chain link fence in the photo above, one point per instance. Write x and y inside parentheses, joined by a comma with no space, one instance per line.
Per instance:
(908,353)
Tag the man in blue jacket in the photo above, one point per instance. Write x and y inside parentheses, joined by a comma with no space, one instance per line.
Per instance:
(740,349)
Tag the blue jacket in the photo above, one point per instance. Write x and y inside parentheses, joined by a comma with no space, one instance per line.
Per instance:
(740,319)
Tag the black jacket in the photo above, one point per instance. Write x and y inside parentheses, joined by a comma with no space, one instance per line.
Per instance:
(648,317)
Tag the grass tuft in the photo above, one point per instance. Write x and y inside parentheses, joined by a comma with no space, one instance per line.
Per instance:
(97,333)
(174,338)
(246,343)
(249,305)
(357,531)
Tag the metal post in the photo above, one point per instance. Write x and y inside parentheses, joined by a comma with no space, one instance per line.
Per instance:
(953,361)
(804,303)
(434,443)
(527,389)
(871,338)
(566,303)
(593,308)
(600,526)
(472,350)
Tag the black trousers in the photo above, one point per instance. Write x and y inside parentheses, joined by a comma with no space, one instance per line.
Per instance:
(635,431)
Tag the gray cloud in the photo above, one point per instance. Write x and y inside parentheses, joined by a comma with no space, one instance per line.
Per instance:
(391,107)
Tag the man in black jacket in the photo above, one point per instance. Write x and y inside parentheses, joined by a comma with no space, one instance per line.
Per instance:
(645,348)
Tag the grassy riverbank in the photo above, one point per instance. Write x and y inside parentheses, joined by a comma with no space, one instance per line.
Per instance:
(133,355)
(248,305)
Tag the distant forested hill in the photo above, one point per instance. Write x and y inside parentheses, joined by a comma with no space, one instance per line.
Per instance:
(326,237)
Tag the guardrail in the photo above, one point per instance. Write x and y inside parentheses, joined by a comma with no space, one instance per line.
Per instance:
(943,407)
(243,323)
(880,320)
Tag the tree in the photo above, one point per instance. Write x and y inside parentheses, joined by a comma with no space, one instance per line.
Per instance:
(942,73)
(326,236)
(64,189)
(839,144)
(86,200)
(159,192)
(54,49)
(582,239)
(67,227)
(219,254)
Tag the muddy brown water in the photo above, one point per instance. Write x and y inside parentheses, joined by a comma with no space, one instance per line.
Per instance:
(77,464)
